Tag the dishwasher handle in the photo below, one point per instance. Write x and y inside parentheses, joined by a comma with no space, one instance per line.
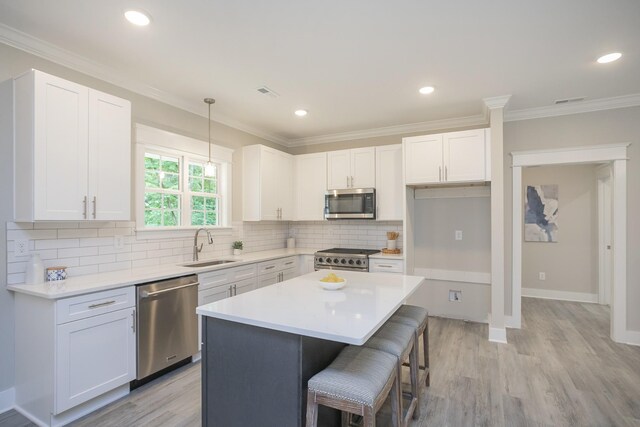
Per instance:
(147,294)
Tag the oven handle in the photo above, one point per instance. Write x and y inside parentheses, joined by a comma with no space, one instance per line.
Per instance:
(146,294)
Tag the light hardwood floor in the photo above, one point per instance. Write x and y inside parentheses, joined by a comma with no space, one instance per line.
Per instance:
(560,369)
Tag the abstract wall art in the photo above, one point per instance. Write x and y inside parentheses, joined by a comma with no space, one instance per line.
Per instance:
(541,214)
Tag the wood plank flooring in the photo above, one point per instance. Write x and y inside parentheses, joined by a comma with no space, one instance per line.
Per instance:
(560,369)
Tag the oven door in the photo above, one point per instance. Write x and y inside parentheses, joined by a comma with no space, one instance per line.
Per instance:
(357,203)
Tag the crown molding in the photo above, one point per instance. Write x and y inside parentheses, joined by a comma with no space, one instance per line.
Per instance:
(480,119)
(577,108)
(43,49)
(496,101)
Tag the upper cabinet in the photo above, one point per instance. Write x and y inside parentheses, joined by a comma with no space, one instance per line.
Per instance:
(310,180)
(267,184)
(72,151)
(355,168)
(389,188)
(454,157)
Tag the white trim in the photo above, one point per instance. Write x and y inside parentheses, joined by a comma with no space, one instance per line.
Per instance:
(442,124)
(479,191)
(476,277)
(496,101)
(498,335)
(7,399)
(624,101)
(29,416)
(559,295)
(178,233)
(510,322)
(605,228)
(633,338)
(595,154)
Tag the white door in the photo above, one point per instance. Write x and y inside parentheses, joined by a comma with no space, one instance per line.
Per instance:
(269,176)
(423,159)
(605,243)
(311,184)
(285,186)
(338,169)
(464,156)
(109,157)
(93,356)
(389,188)
(363,167)
(60,148)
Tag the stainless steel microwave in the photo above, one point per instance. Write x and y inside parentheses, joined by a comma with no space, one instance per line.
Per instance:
(352,203)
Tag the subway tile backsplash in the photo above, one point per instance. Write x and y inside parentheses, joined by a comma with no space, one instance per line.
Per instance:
(89,247)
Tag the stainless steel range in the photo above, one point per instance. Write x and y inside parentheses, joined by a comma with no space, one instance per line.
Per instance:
(343,259)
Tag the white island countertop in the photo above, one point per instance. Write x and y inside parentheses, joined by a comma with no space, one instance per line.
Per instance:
(300,306)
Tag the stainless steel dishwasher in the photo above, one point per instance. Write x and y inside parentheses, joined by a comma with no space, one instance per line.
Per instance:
(167,323)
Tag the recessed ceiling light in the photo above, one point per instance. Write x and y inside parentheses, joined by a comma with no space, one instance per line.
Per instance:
(301,113)
(137,17)
(426,90)
(610,57)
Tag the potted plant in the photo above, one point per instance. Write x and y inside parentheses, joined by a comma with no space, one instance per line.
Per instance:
(237,247)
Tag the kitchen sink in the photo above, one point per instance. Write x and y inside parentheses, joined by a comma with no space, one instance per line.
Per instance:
(208,263)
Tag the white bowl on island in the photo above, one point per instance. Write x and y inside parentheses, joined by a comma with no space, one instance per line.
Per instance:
(333,286)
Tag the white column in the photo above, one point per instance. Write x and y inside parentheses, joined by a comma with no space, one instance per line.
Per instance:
(516,262)
(619,300)
(497,328)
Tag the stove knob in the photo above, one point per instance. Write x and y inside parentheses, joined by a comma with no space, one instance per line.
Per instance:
(329,260)
(350,262)
(335,260)
(320,260)
(343,261)
(358,262)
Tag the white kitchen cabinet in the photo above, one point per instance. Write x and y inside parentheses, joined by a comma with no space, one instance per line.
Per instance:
(267,185)
(277,270)
(306,264)
(71,143)
(355,168)
(454,157)
(389,186)
(310,180)
(379,265)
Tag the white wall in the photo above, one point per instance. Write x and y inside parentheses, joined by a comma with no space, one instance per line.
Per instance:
(571,264)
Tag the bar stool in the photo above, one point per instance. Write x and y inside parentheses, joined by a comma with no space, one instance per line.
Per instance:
(399,340)
(417,318)
(357,382)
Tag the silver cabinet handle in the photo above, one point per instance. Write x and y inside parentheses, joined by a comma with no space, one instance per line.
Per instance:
(235,290)
(230,291)
(347,181)
(94,207)
(440,173)
(84,207)
(384,265)
(351,182)
(270,267)
(288,263)
(445,173)
(133,320)
(102,304)
(146,294)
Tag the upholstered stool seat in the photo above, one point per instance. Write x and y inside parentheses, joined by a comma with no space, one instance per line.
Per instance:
(358,381)
(418,318)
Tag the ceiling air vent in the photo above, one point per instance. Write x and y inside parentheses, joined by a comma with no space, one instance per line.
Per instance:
(266,91)
(569,100)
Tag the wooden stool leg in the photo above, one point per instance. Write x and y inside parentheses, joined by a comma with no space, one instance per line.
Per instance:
(396,402)
(369,418)
(346,419)
(312,410)
(425,341)
(414,373)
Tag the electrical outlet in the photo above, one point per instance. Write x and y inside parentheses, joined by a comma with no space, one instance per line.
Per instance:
(542,276)
(458,234)
(455,296)
(21,247)
(118,242)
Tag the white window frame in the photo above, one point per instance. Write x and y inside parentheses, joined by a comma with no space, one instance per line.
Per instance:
(186,149)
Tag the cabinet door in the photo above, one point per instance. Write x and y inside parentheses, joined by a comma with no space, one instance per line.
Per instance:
(363,167)
(60,148)
(464,156)
(285,186)
(338,169)
(269,181)
(310,181)
(267,279)
(389,187)
(423,159)
(244,286)
(109,157)
(93,356)
(289,273)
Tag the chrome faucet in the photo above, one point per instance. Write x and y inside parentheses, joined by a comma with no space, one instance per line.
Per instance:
(196,249)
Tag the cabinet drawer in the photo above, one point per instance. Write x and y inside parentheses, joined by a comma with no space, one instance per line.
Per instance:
(290,262)
(277,265)
(386,266)
(242,273)
(214,279)
(83,306)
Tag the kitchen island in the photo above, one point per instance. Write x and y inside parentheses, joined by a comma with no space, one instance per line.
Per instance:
(260,348)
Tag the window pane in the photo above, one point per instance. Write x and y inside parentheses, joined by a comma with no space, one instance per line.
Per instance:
(195,170)
(171,181)
(152,218)
(152,200)
(210,186)
(151,180)
(171,201)
(197,218)
(210,203)
(195,184)
(170,165)
(211,218)
(197,203)
(151,162)
(171,218)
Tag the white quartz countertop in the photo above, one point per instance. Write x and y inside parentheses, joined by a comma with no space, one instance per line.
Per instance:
(300,306)
(80,285)
(380,255)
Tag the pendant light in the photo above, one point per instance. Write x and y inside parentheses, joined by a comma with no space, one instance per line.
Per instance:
(209,169)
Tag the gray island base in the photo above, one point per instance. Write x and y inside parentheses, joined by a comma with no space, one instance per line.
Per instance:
(253,376)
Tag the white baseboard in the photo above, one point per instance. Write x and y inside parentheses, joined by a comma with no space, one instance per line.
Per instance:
(559,295)
(633,337)
(7,399)
(510,322)
(498,335)
(30,417)
(454,275)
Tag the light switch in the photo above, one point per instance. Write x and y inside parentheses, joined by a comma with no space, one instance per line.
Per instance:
(458,234)
(542,276)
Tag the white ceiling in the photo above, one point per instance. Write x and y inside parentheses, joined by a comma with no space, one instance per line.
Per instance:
(355,64)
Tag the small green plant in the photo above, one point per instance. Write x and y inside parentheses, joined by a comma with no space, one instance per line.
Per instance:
(237,244)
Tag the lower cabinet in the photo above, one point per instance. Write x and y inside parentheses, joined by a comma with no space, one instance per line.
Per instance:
(377,265)
(306,264)
(277,270)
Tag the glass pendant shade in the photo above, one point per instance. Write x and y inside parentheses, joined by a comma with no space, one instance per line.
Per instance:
(209,169)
